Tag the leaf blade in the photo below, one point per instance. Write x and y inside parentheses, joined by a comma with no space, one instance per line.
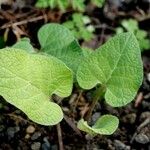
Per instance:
(106,125)
(27,80)
(58,41)
(120,71)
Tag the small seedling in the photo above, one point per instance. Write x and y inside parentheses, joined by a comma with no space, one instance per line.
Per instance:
(131,25)
(80,26)
(27,80)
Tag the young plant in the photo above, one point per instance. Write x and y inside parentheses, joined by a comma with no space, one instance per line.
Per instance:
(80,26)
(27,80)
(131,25)
(116,67)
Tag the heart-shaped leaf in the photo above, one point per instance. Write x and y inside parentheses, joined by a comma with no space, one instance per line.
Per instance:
(58,41)
(117,66)
(105,125)
(27,81)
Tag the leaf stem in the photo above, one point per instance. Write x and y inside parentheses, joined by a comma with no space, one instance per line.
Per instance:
(98,95)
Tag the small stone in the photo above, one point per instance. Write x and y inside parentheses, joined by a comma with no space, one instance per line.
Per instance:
(46,142)
(30,129)
(142,138)
(11,132)
(120,146)
(144,115)
(95,116)
(45,146)
(35,136)
(27,136)
(129,118)
(36,146)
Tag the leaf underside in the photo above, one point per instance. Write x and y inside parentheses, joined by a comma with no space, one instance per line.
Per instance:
(105,125)
(27,81)
(58,41)
(116,65)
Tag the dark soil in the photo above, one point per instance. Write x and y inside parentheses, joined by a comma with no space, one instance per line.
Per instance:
(19,133)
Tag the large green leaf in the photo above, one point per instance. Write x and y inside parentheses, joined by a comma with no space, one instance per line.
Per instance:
(27,81)
(117,66)
(58,41)
(105,125)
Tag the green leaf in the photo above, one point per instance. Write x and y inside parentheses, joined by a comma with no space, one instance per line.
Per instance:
(58,41)
(130,25)
(62,4)
(117,66)
(78,5)
(28,80)
(141,34)
(87,51)
(24,44)
(105,125)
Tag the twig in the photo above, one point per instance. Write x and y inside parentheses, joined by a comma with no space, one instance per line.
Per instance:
(146,122)
(22,22)
(102,34)
(61,147)
(138,99)
(72,125)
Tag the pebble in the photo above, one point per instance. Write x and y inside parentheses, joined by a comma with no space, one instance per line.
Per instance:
(45,146)
(35,136)
(27,136)
(30,129)
(95,116)
(144,115)
(11,132)
(120,146)
(129,118)
(36,146)
(142,138)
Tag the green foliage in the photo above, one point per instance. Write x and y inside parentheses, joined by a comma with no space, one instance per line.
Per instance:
(80,26)
(131,25)
(58,41)
(24,44)
(64,4)
(120,70)
(106,125)
(78,5)
(27,81)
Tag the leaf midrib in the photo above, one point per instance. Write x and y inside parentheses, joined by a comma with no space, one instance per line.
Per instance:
(109,77)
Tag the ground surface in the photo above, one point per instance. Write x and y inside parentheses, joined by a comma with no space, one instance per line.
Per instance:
(19,133)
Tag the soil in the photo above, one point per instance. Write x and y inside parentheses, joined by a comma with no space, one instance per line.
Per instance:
(17,132)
